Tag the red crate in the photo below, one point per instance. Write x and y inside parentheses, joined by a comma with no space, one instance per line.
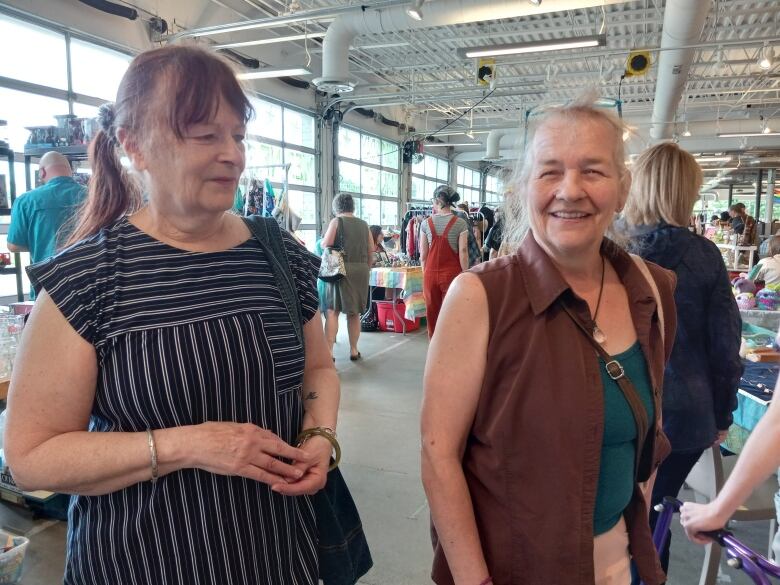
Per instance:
(387,320)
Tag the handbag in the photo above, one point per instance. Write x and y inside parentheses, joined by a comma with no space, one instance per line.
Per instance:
(369,321)
(343,555)
(332,266)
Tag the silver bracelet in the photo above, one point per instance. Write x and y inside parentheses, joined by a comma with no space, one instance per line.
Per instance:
(153,452)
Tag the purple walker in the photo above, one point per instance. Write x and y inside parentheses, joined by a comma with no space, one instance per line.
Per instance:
(739,556)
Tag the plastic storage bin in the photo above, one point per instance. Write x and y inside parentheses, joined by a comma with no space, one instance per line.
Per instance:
(11,561)
(387,319)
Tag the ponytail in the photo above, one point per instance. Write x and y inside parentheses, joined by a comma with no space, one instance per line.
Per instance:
(112,192)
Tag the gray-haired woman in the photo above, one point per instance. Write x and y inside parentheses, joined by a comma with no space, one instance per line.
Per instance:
(349,294)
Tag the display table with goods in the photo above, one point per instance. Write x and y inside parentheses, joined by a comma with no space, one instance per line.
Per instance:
(409,281)
(758,305)
(737,258)
(756,387)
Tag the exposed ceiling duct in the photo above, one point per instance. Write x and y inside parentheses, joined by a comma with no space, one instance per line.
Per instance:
(342,31)
(112,8)
(494,137)
(683,23)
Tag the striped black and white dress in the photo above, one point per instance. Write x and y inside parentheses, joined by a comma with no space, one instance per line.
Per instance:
(183,338)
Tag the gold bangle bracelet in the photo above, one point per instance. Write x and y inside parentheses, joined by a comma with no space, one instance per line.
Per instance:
(325,433)
(153,453)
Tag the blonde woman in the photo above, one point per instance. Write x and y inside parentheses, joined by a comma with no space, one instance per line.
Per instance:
(700,382)
(529,446)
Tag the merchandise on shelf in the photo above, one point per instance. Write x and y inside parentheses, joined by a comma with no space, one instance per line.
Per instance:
(69,131)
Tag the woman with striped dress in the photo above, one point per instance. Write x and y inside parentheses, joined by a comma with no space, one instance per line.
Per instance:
(160,379)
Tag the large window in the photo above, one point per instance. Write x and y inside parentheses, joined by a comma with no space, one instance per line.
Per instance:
(369,171)
(494,190)
(279,135)
(427,174)
(468,184)
(47,72)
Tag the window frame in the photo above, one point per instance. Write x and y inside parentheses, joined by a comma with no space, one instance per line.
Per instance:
(289,146)
(396,171)
(428,178)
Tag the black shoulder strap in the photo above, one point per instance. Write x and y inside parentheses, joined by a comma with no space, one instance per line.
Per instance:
(617,373)
(267,232)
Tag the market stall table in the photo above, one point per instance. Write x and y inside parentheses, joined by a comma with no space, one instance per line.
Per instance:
(409,280)
(753,399)
(766,319)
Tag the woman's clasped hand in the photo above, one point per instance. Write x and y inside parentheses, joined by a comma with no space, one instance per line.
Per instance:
(246,450)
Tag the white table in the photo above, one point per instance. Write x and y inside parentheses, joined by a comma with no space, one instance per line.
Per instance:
(735,254)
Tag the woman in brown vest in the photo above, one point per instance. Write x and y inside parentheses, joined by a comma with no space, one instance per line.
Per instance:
(540,418)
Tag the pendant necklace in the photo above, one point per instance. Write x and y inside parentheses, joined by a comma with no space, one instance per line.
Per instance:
(598,334)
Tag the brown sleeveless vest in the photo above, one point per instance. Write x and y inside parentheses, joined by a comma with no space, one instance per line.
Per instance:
(532,456)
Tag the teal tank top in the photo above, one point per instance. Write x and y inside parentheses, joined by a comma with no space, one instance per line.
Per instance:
(618,447)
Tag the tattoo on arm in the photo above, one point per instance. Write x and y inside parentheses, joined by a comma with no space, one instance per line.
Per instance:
(311,396)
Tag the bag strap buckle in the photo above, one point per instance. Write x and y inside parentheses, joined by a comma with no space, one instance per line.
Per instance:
(615,370)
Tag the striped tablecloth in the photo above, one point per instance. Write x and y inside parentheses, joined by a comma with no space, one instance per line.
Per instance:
(409,281)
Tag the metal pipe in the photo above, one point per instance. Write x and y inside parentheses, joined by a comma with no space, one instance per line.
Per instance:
(274,21)
(683,23)
(343,30)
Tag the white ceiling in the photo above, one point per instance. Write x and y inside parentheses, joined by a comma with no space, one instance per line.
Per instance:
(422,70)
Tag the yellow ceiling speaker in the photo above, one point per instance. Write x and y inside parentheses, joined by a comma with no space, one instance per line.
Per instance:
(486,71)
(638,63)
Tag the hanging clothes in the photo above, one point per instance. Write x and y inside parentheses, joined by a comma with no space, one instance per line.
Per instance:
(411,238)
(269,201)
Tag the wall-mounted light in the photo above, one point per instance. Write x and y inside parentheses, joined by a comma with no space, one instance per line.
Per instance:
(274,72)
(534,46)
(414,10)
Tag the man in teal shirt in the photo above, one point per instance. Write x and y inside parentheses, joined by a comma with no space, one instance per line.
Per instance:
(42,218)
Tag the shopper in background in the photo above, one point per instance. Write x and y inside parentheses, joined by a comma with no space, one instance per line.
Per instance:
(41,219)
(443,251)
(701,378)
(743,224)
(160,378)
(378,236)
(349,294)
(494,237)
(768,269)
(528,445)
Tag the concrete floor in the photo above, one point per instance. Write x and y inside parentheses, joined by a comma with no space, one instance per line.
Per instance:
(379,432)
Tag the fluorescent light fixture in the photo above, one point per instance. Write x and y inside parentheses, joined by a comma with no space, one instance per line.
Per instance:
(741,134)
(534,46)
(428,144)
(713,159)
(720,169)
(414,10)
(274,72)
(271,41)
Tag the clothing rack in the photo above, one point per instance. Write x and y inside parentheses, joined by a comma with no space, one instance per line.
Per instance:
(247,177)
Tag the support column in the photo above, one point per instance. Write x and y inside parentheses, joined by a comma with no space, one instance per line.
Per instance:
(757,213)
(770,199)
